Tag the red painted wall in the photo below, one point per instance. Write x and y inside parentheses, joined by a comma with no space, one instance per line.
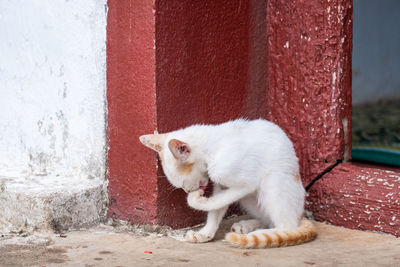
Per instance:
(176,63)
(201,61)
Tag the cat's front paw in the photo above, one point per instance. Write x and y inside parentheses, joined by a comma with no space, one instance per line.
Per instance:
(197,237)
(196,199)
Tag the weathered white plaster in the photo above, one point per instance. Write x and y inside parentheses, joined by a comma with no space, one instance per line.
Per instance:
(52,88)
(52,112)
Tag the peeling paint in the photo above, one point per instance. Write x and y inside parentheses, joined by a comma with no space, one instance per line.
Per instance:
(286,44)
(318,62)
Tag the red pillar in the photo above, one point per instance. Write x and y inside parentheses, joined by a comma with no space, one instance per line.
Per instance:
(309,78)
(132,170)
(171,64)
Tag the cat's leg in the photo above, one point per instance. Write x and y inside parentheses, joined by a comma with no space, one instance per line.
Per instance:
(284,205)
(219,200)
(249,204)
(207,233)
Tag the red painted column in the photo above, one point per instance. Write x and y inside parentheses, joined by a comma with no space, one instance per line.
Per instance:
(170,64)
(132,169)
(309,78)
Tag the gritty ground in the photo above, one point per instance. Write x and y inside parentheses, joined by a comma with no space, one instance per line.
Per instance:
(108,246)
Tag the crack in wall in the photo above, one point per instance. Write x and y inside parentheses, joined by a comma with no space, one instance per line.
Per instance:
(319,176)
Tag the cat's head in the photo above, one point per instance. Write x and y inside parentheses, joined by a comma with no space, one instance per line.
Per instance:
(182,163)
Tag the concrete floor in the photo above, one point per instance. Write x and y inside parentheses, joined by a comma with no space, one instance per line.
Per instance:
(108,246)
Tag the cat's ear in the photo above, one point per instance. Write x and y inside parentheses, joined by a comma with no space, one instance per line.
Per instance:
(180,150)
(153,141)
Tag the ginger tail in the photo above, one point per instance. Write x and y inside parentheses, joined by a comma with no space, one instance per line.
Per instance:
(267,238)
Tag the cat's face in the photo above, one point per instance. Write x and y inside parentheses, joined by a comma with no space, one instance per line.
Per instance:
(181,163)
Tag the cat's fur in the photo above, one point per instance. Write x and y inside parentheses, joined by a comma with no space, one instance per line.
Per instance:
(252,162)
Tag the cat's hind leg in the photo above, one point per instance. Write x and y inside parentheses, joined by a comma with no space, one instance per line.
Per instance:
(282,199)
(246,226)
(249,204)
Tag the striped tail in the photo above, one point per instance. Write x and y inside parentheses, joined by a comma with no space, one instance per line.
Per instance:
(267,238)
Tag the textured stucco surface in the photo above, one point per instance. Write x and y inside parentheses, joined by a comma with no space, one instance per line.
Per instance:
(358,197)
(52,113)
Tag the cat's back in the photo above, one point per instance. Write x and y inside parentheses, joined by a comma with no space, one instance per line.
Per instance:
(236,135)
(261,131)
(249,138)
(241,147)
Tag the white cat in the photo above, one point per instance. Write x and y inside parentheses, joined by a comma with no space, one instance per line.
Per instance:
(252,162)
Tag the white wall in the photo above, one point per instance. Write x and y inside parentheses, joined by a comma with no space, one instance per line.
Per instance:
(52,89)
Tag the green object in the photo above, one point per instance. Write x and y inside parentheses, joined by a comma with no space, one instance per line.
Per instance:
(376,132)
(378,155)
